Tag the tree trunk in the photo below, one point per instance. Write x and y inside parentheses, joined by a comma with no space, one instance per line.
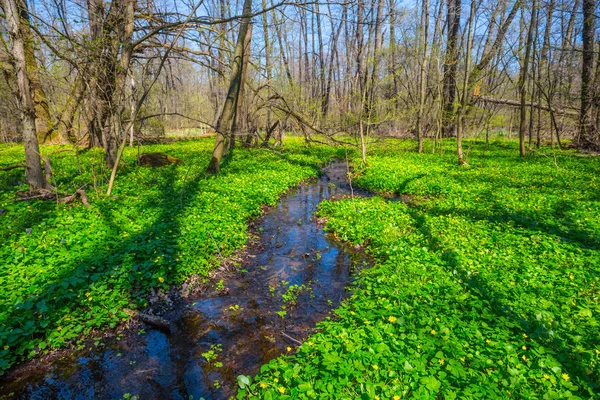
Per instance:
(268,71)
(586,137)
(464,100)
(523,79)
(35,175)
(225,122)
(450,66)
(424,52)
(44,126)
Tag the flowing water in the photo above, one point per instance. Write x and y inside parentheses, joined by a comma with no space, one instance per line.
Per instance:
(294,268)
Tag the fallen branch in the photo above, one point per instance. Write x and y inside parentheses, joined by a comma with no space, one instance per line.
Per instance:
(78,193)
(10,167)
(515,103)
(285,335)
(46,194)
(155,322)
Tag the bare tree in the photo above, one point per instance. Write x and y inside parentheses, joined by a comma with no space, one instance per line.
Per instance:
(227,118)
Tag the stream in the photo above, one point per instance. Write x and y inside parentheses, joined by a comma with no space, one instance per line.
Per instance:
(289,280)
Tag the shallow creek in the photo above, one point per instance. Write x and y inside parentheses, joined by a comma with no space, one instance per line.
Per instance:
(293,267)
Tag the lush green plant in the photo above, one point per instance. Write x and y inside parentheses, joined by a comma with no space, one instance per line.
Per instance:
(66,270)
(485,285)
(212,355)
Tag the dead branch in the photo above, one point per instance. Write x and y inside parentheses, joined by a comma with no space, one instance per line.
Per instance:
(155,322)
(515,103)
(11,167)
(45,194)
(285,335)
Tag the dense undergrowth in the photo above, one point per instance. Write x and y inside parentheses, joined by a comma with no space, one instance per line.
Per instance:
(486,283)
(66,269)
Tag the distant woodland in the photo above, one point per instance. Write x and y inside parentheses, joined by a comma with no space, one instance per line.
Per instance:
(110,73)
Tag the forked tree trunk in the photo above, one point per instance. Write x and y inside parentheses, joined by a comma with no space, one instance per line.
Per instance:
(226,119)
(35,174)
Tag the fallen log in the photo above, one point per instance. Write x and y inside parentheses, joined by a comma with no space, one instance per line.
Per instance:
(157,160)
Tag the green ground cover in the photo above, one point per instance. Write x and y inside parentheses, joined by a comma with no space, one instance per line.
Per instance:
(66,269)
(485,285)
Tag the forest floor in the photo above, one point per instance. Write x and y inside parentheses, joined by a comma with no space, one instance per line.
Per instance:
(68,271)
(486,283)
(486,280)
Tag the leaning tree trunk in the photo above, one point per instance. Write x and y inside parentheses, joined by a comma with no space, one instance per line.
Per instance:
(35,175)
(226,119)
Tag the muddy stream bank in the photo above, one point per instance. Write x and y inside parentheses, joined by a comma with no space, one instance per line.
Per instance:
(289,279)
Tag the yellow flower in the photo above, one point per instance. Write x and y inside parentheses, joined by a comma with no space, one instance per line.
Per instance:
(281,390)
(90,298)
(441,361)
(263,385)
(524,347)
(488,341)
(524,358)
(462,359)
(59,328)
(392,319)
(546,376)
(433,332)
(565,377)
(375,367)
(376,397)
(161,279)
(437,319)
(289,349)
(396,397)
(276,380)
(524,335)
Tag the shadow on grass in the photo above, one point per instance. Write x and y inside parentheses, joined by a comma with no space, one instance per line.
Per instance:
(101,285)
(564,351)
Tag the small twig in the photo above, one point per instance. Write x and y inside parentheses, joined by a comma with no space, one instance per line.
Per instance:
(349,177)
(299,343)
(555,163)
(217,246)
